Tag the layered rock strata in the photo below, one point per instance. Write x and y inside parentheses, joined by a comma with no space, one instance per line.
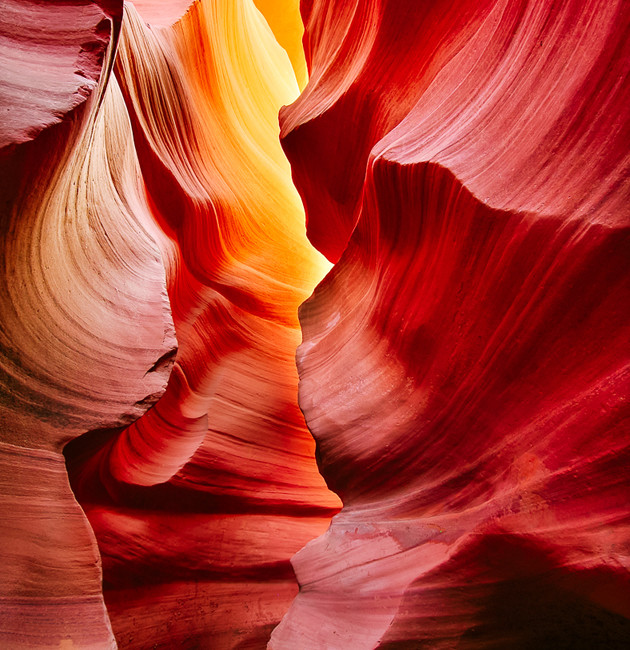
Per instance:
(464,368)
(160,204)
(83,307)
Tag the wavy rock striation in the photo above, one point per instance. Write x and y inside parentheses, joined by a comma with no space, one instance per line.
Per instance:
(199,505)
(84,310)
(145,194)
(464,368)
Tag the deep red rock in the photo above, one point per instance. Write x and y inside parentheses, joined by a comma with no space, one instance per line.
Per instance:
(464,368)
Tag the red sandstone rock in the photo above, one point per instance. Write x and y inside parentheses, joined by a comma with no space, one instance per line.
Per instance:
(52,55)
(464,368)
(159,13)
(209,495)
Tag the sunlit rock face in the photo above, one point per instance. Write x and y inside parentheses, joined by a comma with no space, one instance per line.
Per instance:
(199,505)
(152,235)
(464,368)
(83,309)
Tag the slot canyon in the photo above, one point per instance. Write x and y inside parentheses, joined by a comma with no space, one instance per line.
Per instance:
(315,324)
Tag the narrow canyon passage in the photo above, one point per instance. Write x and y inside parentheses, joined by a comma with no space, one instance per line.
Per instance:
(174,260)
(198,506)
(420,209)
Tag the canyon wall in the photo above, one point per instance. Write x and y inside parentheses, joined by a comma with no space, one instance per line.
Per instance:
(441,189)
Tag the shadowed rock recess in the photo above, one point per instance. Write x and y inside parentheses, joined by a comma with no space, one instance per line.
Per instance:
(441,191)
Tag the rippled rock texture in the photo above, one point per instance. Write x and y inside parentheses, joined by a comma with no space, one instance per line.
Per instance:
(154,260)
(463,366)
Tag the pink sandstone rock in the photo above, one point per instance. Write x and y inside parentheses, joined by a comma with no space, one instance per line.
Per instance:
(463,368)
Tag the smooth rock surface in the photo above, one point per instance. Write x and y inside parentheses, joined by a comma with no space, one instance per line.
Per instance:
(464,368)
(199,505)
